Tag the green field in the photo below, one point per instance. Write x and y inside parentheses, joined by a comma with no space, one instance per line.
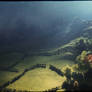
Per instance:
(37,79)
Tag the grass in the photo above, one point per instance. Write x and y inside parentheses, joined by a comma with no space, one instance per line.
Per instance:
(8,59)
(6,76)
(38,79)
(54,60)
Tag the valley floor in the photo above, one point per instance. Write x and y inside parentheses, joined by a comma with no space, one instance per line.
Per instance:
(37,79)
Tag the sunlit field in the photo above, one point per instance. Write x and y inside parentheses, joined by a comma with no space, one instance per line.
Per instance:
(37,79)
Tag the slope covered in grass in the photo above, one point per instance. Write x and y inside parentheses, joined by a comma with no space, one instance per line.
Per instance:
(38,80)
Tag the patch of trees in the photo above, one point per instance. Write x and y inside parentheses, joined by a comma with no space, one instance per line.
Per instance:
(78,82)
(58,71)
(38,66)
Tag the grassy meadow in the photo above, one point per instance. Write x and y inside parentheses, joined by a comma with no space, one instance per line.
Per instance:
(36,80)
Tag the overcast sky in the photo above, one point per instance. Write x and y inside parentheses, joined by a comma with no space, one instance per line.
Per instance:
(38,18)
(42,13)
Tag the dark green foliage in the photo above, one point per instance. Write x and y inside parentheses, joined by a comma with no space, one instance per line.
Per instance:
(88,74)
(84,81)
(69,86)
(68,74)
(80,46)
(58,71)
(77,76)
(66,85)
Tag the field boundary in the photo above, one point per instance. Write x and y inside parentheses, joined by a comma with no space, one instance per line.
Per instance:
(51,67)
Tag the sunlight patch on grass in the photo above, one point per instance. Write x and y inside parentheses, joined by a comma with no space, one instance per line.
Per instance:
(38,80)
